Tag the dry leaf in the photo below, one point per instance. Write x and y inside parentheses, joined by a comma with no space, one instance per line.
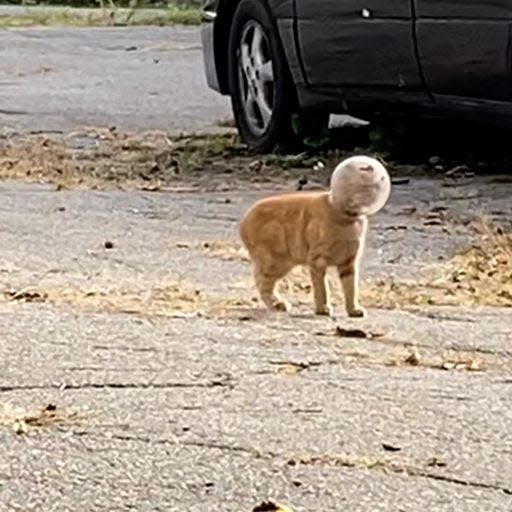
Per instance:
(413,358)
(358,333)
(26,295)
(271,506)
(20,427)
(391,448)
(436,462)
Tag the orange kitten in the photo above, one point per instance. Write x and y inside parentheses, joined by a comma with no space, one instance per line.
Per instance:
(318,229)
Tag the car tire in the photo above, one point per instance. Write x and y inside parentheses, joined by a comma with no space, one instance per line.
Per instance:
(263,96)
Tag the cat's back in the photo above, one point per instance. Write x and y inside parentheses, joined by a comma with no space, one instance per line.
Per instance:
(278,214)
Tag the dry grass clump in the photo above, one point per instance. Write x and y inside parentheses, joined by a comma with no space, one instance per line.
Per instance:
(448,361)
(98,17)
(394,463)
(172,300)
(346,460)
(103,158)
(106,158)
(47,417)
(478,276)
(226,250)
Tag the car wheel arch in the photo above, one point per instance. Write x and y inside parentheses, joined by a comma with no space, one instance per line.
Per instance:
(225,13)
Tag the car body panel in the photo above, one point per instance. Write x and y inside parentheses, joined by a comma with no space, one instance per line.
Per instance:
(372,66)
(209,55)
(281,8)
(464,9)
(464,47)
(339,53)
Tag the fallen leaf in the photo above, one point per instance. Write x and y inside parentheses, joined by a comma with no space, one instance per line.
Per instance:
(391,448)
(271,506)
(358,333)
(351,333)
(291,367)
(151,188)
(256,166)
(436,462)
(20,427)
(26,295)
(400,227)
(400,181)
(413,358)
(433,222)
(457,171)
(474,366)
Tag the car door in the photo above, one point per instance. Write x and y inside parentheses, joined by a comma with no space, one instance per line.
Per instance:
(464,47)
(357,43)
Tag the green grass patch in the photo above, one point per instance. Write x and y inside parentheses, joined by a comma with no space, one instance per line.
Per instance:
(96,17)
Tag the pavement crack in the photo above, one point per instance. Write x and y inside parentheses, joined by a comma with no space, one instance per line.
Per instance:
(376,463)
(210,445)
(454,480)
(13,112)
(455,347)
(118,385)
(444,317)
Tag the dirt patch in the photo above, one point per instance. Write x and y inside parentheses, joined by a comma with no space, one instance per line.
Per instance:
(104,158)
(153,161)
(173,300)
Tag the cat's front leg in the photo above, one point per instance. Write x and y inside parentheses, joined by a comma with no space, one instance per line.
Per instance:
(320,291)
(349,277)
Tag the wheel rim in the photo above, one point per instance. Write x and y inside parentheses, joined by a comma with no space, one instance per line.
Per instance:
(256,77)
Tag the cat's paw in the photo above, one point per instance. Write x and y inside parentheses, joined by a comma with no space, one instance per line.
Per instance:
(281,306)
(324,311)
(357,312)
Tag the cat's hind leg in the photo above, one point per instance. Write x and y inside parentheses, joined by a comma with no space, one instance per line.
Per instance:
(266,277)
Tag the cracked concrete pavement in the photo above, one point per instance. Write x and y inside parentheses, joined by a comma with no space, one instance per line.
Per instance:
(202,413)
(192,413)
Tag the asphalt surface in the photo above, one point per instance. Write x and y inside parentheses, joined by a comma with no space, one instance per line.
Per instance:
(140,78)
(221,413)
(196,413)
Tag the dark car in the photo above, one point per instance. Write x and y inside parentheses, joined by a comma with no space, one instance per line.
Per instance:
(309,58)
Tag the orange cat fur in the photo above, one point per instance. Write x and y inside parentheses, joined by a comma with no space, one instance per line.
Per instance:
(318,229)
